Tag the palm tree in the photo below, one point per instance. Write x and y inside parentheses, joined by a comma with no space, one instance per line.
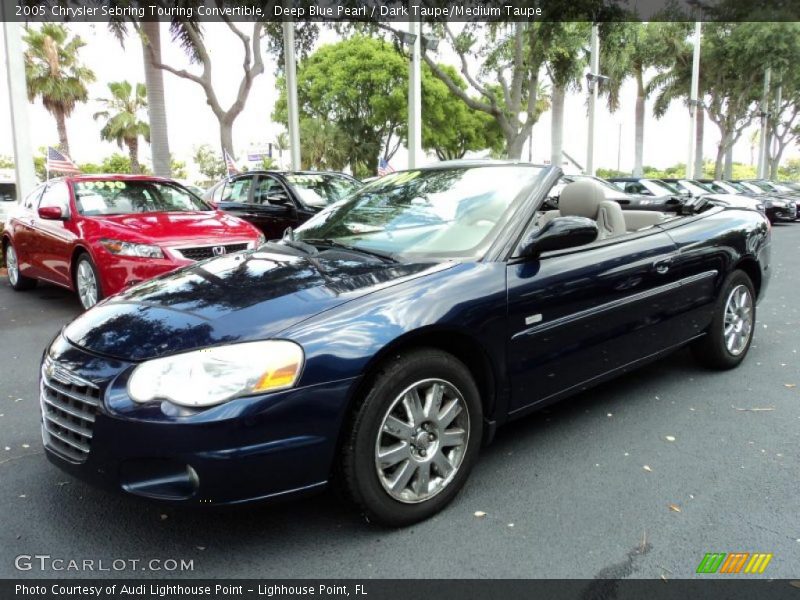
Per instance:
(55,74)
(630,50)
(123,124)
(281,145)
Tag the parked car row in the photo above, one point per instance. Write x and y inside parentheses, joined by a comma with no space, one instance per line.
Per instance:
(777,201)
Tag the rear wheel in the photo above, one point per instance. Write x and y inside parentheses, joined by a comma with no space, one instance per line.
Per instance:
(414,439)
(87,283)
(731,332)
(17,280)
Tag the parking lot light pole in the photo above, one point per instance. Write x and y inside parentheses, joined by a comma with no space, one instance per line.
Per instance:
(414,95)
(593,84)
(693,101)
(290,65)
(762,143)
(18,101)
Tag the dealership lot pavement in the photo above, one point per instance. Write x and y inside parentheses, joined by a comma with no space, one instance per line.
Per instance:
(637,478)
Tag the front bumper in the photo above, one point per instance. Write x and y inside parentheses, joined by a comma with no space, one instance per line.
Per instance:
(248,449)
(118,273)
(782,213)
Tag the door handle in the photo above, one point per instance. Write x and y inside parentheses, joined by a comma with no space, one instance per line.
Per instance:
(662,266)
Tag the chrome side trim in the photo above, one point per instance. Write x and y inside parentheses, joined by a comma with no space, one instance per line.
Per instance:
(614,304)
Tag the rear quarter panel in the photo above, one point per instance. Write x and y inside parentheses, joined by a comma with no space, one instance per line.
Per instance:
(719,241)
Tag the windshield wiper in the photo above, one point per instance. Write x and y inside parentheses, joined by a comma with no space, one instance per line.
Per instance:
(330,243)
(300,245)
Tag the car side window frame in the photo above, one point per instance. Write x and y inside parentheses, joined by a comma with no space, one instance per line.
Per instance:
(233,180)
(292,203)
(31,201)
(64,203)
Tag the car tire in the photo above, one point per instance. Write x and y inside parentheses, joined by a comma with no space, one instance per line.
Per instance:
(87,282)
(728,339)
(17,280)
(400,493)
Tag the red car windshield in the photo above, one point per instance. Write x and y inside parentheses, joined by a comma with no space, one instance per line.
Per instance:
(122,197)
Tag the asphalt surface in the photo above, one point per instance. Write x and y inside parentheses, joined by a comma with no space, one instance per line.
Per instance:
(637,478)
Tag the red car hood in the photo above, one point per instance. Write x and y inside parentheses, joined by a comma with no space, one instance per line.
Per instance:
(166,227)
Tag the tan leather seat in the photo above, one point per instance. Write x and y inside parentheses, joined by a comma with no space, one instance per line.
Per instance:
(585,198)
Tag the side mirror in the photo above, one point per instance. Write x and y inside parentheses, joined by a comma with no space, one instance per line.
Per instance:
(558,234)
(51,213)
(279,199)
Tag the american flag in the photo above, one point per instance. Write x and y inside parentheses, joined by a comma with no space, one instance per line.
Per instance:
(384,168)
(230,165)
(60,163)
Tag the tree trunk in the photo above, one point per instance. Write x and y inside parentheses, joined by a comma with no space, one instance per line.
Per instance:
(516,144)
(718,163)
(638,166)
(156,106)
(729,161)
(226,135)
(61,125)
(700,121)
(133,153)
(557,126)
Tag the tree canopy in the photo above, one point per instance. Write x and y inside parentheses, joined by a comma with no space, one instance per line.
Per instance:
(122,115)
(55,74)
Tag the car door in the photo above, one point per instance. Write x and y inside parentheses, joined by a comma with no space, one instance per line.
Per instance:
(576,315)
(22,232)
(273,207)
(53,239)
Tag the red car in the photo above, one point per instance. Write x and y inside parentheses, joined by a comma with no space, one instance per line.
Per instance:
(99,234)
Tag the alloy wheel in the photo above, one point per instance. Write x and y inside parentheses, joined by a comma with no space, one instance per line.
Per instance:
(422,441)
(738,320)
(12,265)
(86,284)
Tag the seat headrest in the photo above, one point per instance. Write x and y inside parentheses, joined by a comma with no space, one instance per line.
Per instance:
(581,198)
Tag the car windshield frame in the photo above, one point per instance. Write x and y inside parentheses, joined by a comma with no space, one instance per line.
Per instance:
(413,196)
(295,181)
(108,186)
(659,184)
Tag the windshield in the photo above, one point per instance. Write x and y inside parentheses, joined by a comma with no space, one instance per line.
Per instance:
(726,187)
(749,186)
(322,189)
(610,191)
(445,213)
(122,197)
(660,188)
(698,189)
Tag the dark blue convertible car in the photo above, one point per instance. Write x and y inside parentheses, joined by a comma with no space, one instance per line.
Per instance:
(383,342)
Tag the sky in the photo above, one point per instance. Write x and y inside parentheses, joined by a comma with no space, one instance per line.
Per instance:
(191,122)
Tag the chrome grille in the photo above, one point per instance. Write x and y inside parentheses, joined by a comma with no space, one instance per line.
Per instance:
(203,252)
(69,405)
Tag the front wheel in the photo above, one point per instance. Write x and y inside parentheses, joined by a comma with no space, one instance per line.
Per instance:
(731,332)
(87,283)
(16,279)
(414,439)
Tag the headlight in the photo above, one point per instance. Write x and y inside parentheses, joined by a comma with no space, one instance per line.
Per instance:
(215,375)
(760,207)
(646,202)
(261,240)
(131,249)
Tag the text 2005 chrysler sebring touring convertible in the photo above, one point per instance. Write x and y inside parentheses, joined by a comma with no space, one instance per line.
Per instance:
(379,345)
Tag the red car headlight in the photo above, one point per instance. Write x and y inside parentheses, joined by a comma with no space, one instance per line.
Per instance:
(130,249)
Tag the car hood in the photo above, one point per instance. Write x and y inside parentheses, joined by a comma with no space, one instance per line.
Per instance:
(242,297)
(735,200)
(165,227)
